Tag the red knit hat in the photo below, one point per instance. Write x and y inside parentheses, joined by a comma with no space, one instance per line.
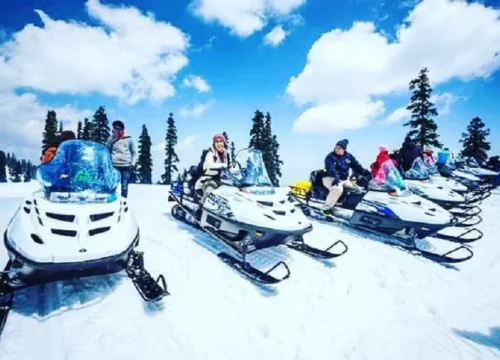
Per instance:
(219,137)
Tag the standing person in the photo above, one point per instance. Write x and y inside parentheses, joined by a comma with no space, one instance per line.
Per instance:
(51,150)
(337,165)
(123,154)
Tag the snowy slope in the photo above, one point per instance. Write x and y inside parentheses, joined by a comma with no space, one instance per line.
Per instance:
(375,302)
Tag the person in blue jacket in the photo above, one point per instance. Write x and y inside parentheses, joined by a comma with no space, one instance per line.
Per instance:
(408,153)
(337,165)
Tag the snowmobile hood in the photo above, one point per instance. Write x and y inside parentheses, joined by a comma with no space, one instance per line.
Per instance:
(449,183)
(46,232)
(429,190)
(465,175)
(273,211)
(481,171)
(410,208)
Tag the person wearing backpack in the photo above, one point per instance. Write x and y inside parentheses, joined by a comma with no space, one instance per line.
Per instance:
(123,153)
(216,158)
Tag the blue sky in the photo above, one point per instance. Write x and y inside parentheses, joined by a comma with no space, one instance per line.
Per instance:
(138,58)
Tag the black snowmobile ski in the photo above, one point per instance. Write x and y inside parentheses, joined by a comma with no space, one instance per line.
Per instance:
(149,288)
(241,247)
(461,238)
(6,297)
(407,244)
(466,212)
(301,246)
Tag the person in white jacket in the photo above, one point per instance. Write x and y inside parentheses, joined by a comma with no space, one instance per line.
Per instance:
(215,159)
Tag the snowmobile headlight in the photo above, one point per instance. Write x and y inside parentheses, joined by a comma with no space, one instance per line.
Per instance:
(259,233)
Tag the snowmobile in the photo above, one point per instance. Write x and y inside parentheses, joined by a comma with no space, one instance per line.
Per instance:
(76,225)
(471,166)
(386,209)
(247,213)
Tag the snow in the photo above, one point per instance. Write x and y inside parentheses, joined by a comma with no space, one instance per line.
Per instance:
(375,302)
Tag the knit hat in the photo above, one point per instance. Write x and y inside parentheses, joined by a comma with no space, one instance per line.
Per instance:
(219,137)
(343,143)
(118,124)
(383,148)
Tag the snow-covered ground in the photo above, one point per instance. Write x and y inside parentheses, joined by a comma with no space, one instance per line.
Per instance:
(375,302)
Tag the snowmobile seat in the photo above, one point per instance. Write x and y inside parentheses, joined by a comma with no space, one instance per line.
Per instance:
(318,190)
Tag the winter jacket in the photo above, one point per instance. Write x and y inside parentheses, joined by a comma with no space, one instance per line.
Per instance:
(49,154)
(382,157)
(443,156)
(211,165)
(408,153)
(122,151)
(338,167)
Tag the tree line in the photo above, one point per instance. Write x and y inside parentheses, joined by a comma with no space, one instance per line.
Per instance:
(97,129)
(424,128)
(13,169)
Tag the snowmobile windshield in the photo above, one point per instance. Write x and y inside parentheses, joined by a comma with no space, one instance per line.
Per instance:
(252,170)
(388,179)
(432,168)
(418,171)
(81,171)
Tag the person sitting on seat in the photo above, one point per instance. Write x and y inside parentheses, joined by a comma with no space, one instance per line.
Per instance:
(216,158)
(408,153)
(337,165)
(51,150)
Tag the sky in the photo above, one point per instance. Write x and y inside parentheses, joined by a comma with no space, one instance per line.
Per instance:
(325,70)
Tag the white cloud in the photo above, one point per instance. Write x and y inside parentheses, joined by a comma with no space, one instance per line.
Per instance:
(23,119)
(196,82)
(188,142)
(243,17)
(398,115)
(131,56)
(442,102)
(275,36)
(334,117)
(195,111)
(360,63)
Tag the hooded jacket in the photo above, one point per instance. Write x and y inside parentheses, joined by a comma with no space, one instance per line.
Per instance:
(408,153)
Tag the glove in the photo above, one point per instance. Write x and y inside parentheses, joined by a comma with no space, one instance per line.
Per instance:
(335,181)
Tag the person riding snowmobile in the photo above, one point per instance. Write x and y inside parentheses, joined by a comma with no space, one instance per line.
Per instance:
(51,150)
(443,156)
(408,153)
(337,165)
(378,173)
(215,159)
(428,157)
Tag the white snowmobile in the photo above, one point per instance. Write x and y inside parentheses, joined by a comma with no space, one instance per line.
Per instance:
(386,208)
(247,213)
(76,225)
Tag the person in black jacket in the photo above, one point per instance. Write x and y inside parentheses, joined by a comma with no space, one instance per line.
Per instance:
(337,165)
(408,153)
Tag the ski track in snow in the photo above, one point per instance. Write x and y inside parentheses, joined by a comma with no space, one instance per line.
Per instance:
(374,302)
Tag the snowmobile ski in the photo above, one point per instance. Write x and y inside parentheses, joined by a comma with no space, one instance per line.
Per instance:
(461,238)
(6,297)
(407,244)
(149,288)
(180,213)
(300,245)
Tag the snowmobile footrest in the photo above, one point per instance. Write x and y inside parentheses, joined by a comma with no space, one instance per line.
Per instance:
(322,254)
(460,238)
(445,258)
(251,272)
(149,288)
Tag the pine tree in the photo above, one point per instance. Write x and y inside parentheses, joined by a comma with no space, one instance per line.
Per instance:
(28,171)
(17,171)
(474,141)
(61,128)
(79,130)
(100,126)
(87,130)
(266,147)
(256,139)
(277,162)
(170,156)
(145,162)
(232,150)
(422,110)
(3,167)
(50,131)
